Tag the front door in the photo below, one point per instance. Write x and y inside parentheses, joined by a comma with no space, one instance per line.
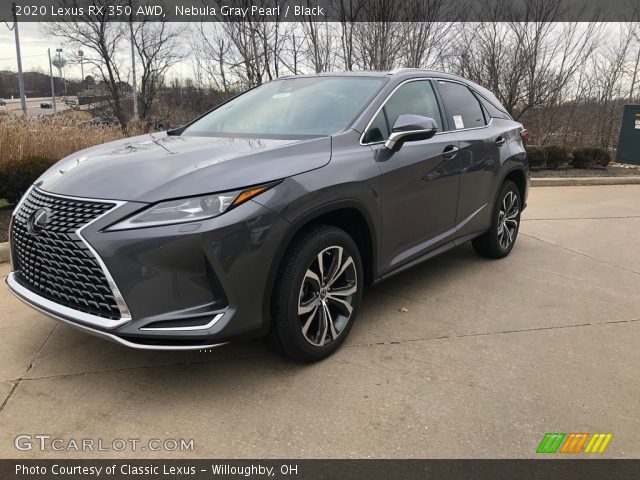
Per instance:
(419,182)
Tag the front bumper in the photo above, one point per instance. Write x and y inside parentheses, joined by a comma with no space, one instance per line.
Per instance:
(187,286)
(73,317)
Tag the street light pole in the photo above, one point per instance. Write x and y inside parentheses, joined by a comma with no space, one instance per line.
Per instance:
(23,99)
(53,92)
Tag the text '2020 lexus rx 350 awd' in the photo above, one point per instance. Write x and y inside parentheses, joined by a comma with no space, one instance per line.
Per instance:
(269,214)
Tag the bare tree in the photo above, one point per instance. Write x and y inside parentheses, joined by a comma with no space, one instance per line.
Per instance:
(347,11)
(423,40)
(635,30)
(526,63)
(291,56)
(101,39)
(607,84)
(210,47)
(318,38)
(377,45)
(158,46)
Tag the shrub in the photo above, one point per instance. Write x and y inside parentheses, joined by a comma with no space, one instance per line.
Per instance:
(537,157)
(590,157)
(557,156)
(17,176)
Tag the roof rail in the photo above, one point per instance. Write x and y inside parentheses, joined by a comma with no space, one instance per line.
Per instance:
(399,70)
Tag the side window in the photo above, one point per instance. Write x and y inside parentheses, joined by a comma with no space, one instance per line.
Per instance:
(416,98)
(462,106)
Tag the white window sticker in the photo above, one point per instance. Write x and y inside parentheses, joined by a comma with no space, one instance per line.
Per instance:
(457,119)
(281,95)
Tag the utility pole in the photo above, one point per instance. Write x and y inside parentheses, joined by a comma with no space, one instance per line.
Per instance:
(53,92)
(23,99)
(133,69)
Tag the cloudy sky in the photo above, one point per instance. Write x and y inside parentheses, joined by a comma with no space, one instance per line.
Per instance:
(33,46)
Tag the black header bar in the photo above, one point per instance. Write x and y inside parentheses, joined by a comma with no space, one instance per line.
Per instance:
(323,10)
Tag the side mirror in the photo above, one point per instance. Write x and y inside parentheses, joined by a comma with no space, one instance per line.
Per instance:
(410,128)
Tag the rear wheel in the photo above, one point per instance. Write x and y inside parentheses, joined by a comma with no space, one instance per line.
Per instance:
(317,294)
(499,240)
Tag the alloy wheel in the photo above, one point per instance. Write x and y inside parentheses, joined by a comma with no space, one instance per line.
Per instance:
(508,220)
(325,302)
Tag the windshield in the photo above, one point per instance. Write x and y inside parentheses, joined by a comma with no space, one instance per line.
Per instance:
(307,106)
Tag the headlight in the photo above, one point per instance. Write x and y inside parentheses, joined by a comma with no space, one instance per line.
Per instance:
(192,209)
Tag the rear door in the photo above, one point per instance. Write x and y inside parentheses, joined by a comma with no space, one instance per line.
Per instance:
(483,148)
(419,182)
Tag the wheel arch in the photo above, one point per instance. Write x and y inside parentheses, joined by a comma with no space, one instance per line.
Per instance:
(519,177)
(350,216)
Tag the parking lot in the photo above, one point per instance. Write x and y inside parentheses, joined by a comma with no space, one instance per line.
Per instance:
(487,358)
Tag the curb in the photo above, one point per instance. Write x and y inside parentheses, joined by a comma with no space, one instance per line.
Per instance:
(4,252)
(576,181)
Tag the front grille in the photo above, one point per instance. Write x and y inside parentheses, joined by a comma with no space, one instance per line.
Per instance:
(54,262)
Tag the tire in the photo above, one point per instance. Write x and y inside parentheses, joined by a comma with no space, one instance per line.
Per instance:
(300,302)
(498,241)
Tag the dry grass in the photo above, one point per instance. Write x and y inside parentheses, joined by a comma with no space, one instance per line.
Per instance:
(51,137)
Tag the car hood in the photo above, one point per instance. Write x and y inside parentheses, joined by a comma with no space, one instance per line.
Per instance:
(158,166)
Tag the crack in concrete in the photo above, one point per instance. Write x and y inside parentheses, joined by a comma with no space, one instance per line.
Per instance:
(140,367)
(16,382)
(578,253)
(503,332)
(13,388)
(353,345)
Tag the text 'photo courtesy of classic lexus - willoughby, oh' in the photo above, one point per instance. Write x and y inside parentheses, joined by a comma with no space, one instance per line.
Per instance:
(269,215)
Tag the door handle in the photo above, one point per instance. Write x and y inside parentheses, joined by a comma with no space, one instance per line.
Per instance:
(450,151)
(500,141)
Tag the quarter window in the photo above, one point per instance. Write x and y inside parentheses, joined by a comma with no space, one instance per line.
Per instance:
(462,106)
(378,130)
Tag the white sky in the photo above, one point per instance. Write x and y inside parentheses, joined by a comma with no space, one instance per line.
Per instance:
(33,47)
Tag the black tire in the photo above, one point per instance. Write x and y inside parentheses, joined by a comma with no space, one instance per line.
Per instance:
(498,242)
(295,291)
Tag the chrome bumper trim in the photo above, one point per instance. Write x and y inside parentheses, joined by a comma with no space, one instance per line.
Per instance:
(52,308)
(191,328)
(41,304)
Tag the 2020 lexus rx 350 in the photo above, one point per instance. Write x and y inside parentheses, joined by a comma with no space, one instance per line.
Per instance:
(269,214)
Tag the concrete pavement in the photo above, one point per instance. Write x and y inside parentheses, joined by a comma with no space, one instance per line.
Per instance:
(489,356)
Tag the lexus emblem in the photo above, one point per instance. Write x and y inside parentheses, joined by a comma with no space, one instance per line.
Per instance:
(38,220)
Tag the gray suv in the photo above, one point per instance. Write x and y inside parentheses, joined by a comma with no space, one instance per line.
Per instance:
(269,214)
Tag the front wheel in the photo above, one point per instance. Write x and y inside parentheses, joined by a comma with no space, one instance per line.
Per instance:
(317,294)
(499,240)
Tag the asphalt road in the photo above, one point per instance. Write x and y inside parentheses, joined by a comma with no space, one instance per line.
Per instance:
(488,357)
(33,106)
